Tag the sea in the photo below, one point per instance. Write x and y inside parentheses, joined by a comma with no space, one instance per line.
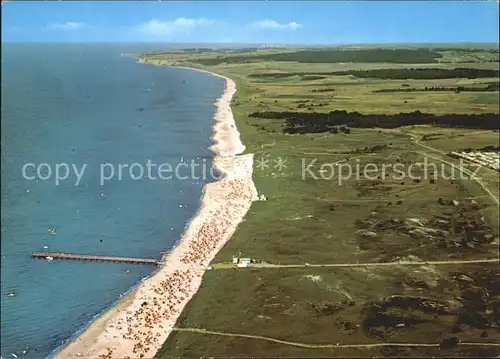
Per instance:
(84,132)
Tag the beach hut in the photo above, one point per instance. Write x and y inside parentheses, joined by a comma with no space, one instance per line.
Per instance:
(246,261)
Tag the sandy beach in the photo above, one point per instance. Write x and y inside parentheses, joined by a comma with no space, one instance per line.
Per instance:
(140,323)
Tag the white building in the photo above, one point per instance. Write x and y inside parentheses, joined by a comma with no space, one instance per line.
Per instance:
(487,159)
(242,262)
(245,261)
(271,46)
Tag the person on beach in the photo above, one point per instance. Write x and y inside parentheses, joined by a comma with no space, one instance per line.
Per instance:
(154,317)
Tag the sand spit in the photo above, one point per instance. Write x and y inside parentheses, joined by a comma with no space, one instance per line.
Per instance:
(138,326)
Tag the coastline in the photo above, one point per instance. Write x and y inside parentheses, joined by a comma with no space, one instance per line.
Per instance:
(142,320)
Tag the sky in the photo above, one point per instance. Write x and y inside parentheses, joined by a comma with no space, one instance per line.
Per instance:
(283,22)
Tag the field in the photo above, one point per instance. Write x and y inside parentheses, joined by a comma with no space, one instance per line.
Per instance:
(339,306)
(357,94)
(435,295)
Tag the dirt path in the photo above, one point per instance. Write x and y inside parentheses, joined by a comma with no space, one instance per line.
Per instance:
(343,265)
(319,346)
(472,175)
(415,139)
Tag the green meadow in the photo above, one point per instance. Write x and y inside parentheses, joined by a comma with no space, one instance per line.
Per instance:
(326,216)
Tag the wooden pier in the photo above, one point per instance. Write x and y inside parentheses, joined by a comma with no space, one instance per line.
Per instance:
(85,257)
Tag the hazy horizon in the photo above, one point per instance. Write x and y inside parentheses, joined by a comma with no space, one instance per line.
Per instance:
(250,44)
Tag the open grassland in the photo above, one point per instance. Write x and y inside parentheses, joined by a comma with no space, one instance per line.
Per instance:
(326,216)
(457,139)
(339,55)
(325,93)
(341,306)
(315,215)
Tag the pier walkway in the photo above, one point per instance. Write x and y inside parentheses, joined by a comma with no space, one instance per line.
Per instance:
(85,257)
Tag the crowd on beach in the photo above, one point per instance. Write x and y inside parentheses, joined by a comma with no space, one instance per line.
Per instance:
(140,328)
(145,326)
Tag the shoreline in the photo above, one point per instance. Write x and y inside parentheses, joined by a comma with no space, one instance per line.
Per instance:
(140,322)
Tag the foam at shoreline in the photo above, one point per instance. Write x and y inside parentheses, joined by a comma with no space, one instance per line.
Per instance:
(141,322)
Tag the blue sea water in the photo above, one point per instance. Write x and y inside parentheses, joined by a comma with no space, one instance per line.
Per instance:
(85,104)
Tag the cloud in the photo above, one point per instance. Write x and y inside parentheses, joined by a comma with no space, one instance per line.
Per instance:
(155,27)
(271,24)
(67,26)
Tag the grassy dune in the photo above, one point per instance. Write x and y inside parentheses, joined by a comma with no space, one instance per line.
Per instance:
(337,220)
(324,306)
